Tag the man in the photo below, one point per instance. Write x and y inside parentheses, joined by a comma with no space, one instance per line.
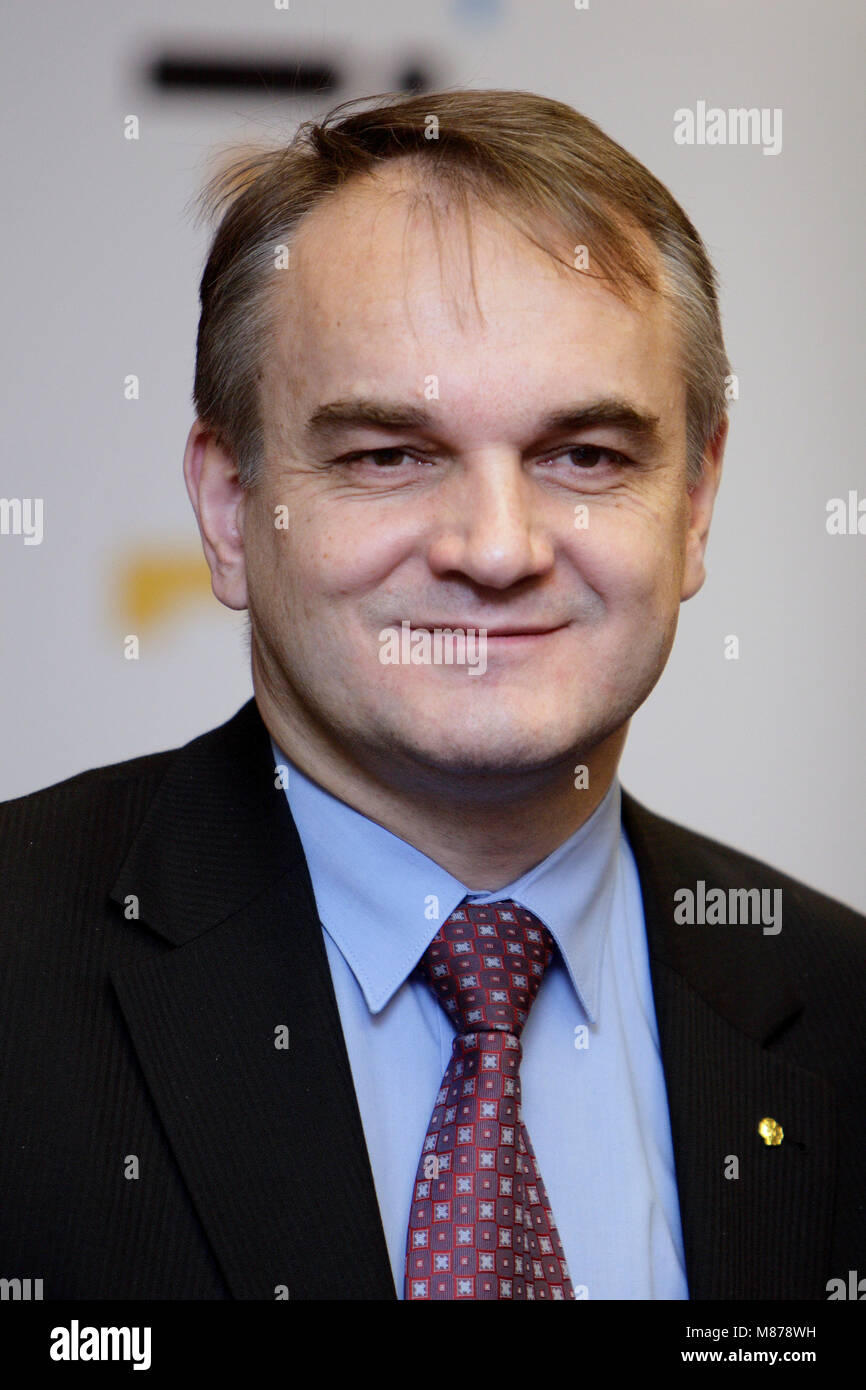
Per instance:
(267,1028)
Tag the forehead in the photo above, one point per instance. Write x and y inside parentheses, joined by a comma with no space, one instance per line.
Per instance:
(387,287)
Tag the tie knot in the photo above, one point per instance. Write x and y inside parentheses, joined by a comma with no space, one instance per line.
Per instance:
(485,966)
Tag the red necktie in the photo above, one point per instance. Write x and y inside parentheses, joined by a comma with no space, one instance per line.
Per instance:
(480,1224)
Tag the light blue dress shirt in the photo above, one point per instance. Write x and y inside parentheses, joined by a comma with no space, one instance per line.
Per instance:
(594,1099)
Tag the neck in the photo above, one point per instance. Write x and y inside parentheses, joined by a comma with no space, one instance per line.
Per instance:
(485,832)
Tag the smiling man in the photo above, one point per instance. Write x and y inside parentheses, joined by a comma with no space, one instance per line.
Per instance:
(387,985)
(549,394)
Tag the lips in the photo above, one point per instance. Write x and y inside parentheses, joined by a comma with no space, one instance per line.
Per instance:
(522,631)
(526,631)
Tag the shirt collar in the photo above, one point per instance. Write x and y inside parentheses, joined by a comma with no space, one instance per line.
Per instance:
(382,901)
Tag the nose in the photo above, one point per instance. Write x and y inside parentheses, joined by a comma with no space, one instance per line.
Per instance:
(489,526)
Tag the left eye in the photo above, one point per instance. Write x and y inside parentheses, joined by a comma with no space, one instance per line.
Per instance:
(589,455)
(384,458)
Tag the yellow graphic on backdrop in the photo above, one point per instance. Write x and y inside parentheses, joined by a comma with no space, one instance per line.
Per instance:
(156,582)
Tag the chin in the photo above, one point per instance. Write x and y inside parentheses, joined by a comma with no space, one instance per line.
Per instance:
(496,747)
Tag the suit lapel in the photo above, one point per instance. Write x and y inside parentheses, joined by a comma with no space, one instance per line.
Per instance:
(722,997)
(269,1138)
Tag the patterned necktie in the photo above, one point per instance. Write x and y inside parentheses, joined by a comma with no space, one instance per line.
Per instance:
(481,1224)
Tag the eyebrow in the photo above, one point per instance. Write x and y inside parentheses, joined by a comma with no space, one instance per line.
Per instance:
(360,412)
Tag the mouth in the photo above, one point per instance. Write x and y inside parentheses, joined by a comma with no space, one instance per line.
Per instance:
(508,632)
(491,633)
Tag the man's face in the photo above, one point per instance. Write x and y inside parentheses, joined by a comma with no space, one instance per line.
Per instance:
(490,515)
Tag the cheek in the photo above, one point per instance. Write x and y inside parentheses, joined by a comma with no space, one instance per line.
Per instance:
(348,558)
(627,559)
(313,580)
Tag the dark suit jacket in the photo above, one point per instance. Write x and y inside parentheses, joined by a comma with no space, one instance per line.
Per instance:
(151,1037)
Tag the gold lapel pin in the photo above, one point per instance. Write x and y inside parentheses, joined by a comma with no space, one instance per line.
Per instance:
(771,1131)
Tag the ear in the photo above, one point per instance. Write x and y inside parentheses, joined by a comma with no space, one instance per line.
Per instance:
(218,501)
(699,503)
